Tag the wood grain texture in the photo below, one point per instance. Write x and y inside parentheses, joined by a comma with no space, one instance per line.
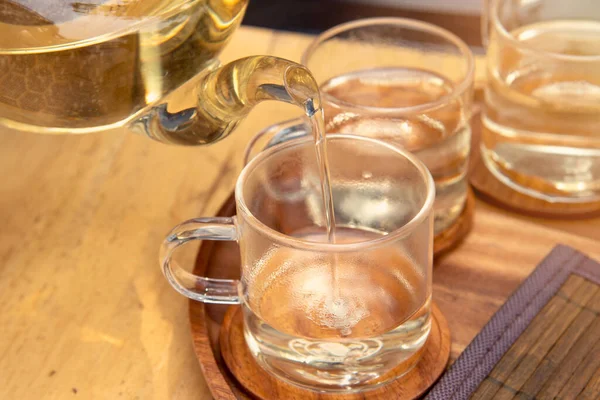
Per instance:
(473,281)
(261,384)
(83,305)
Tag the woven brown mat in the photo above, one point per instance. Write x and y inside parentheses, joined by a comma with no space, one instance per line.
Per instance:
(543,343)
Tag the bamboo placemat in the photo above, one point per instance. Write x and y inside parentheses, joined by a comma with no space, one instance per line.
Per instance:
(544,343)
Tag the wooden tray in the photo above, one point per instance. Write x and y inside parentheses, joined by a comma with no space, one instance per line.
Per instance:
(221,260)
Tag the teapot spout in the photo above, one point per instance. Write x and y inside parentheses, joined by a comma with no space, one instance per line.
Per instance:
(226,95)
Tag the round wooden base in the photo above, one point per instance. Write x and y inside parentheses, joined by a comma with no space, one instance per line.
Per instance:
(491,189)
(266,386)
(453,235)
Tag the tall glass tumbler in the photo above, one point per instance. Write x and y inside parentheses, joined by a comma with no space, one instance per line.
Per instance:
(541,118)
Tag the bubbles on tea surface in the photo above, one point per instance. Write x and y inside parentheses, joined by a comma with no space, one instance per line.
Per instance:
(338,309)
(303,283)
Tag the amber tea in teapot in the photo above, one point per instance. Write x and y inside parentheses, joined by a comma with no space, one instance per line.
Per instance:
(151,65)
(91,65)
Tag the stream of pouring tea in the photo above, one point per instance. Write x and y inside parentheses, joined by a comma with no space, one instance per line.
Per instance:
(317,121)
(303,91)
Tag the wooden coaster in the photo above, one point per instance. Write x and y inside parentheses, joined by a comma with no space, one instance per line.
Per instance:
(494,191)
(454,234)
(265,386)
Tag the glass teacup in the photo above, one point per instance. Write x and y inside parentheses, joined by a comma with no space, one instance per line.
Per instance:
(326,316)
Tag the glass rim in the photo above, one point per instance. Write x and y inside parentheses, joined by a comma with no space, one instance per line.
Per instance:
(291,242)
(458,90)
(77,43)
(495,20)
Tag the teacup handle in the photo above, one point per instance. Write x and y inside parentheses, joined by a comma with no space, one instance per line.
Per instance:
(207,290)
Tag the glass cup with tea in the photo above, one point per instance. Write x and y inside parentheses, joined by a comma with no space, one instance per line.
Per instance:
(541,121)
(328,315)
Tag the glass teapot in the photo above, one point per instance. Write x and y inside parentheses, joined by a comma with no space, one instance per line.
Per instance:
(151,65)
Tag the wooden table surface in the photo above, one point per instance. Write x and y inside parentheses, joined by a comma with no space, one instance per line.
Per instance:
(84,309)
